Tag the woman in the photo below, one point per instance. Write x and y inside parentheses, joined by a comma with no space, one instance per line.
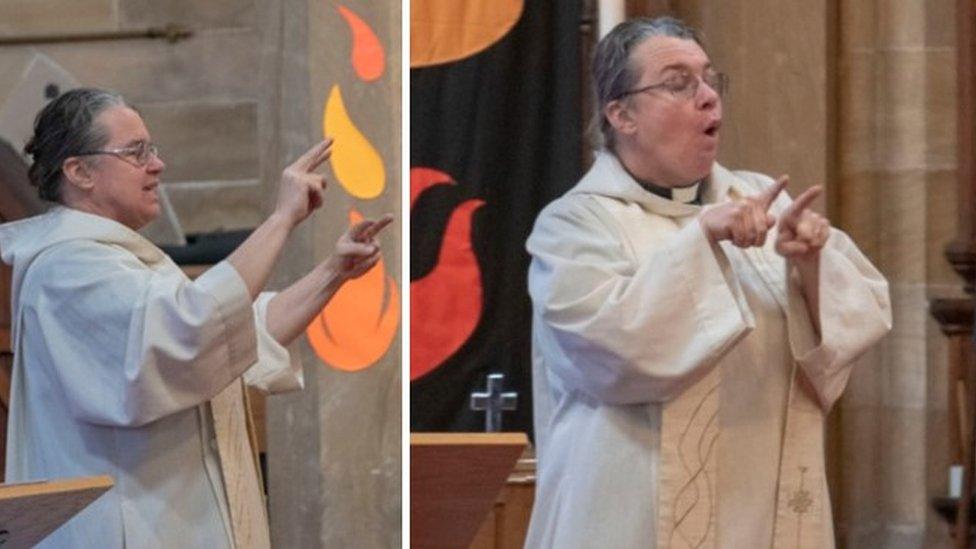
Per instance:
(117,354)
(692,326)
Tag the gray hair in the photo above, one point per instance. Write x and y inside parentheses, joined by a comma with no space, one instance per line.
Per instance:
(612,72)
(64,128)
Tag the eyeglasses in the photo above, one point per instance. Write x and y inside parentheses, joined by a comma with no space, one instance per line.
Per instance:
(138,155)
(684,84)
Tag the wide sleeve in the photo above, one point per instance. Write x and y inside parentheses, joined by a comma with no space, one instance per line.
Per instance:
(629,326)
(855,312)
(129,345)
(276,370)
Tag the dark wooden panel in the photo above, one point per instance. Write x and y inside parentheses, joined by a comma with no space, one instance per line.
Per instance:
(648,8)
(17,198)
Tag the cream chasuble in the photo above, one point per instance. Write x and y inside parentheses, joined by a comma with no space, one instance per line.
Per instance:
(117,355)
(679,387)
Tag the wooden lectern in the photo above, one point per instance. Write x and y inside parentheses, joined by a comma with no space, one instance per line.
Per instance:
(454,480)
(32,510)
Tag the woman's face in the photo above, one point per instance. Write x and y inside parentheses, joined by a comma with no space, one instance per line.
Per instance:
(676,137)
(123,188)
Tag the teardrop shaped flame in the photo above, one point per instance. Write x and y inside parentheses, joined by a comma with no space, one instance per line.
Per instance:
(356,164)
(446,304)
(422,179)
(442,31)
(357,327)
(367,57)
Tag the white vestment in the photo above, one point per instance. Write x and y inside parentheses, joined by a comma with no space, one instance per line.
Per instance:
(680,387)
(116,357)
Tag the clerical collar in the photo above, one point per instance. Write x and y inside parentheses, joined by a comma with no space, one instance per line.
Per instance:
(686,195)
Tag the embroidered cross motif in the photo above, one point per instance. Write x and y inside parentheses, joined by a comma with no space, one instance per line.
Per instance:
(801,501)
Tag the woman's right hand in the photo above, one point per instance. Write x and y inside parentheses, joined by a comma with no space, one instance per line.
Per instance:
(300,191)
(357,250)
(744,222)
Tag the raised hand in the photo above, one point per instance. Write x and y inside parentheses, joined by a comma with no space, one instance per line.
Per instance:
(357,250)
(802,232)
(300,191)
(744,222)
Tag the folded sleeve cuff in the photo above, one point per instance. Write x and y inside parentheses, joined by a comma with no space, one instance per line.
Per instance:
(276,370)
(809,350)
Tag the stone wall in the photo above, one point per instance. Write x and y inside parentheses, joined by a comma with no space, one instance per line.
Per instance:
(202,98)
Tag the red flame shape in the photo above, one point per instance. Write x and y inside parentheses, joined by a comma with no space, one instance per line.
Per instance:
(368,56)
(445,305)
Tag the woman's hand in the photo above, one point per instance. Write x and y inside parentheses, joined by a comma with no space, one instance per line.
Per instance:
(357,250)
(300,190)
(802,232)
(294,307)
(744,222)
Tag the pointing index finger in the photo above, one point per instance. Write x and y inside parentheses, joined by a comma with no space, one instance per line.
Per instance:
(803,201)
(767,197)
(369,228)
(312,157)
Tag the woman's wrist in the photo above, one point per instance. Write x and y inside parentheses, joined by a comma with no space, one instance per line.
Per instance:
(281,219)
(329,275)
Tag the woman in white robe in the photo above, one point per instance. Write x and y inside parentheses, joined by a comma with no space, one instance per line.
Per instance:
(692,326)
(117,354)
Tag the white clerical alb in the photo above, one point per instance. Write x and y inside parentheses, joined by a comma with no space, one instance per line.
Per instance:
(679,386)
(116,357)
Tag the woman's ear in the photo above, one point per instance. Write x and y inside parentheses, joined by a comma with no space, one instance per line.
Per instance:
(619,115)
(77,172)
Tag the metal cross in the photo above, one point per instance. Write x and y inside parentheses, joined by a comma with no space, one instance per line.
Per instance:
(493,402)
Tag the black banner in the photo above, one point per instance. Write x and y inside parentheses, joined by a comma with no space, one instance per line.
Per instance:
(494,138)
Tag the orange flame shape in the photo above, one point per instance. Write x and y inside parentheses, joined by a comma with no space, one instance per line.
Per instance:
(358,325)
(368,57)
(442,31)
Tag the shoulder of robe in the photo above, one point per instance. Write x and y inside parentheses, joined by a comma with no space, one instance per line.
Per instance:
(80,263)
(89,253)
(572,213)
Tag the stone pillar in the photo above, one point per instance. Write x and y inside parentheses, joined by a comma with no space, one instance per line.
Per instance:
(334,449)
(896,177)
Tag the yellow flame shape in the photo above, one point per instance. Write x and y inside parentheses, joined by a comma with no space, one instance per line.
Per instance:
(356,164)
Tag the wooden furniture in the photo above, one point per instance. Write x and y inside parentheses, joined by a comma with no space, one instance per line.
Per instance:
(507,525)
(29,512)
(454,480)
(955,316)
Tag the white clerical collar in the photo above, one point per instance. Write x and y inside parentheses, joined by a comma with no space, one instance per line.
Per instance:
(685,195)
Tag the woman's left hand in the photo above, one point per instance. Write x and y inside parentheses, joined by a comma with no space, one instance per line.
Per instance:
(802,233)
(357,250)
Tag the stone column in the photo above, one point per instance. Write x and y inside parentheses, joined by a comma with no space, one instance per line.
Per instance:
(334,449)
(896,182)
